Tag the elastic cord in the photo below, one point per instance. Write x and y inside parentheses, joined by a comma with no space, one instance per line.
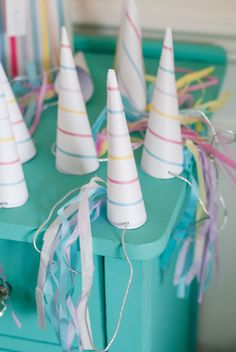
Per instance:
(123,303)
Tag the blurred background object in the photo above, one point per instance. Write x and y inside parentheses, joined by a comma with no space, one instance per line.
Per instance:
(30,33)
(200,20)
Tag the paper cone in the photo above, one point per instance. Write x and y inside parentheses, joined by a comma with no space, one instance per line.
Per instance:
(125,202)
(13,191)
(76,152)
(25,145)
(129,64)
(163,151)
(84,75)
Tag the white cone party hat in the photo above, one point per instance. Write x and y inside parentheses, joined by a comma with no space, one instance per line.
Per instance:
(163,152)
(129,63)
(75,152)
(13,190)
(25,145)
(124,198)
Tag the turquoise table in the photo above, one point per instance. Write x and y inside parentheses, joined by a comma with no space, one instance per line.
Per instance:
(154,319)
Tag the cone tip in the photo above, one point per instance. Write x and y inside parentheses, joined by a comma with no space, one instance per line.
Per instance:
(168,37)
(64,36)
(130,5)
(111,79)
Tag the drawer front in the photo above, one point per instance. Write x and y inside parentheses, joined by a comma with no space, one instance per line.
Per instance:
(20,263)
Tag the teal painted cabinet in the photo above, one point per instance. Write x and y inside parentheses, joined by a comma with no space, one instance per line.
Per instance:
(154,319)
(149,298)
(20,262)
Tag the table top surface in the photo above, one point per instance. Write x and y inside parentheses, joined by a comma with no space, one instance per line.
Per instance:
(164,199)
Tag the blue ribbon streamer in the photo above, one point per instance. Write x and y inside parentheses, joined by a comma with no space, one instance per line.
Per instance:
(181,231)
(60,280)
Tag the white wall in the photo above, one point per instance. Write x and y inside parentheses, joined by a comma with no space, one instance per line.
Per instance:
(211,16)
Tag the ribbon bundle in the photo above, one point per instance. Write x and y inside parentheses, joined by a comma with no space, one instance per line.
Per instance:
(200,245)
(59,258)
(196,235)
(34,94)
(56,293)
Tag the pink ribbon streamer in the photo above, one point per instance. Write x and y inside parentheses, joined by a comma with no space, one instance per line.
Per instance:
(39,104)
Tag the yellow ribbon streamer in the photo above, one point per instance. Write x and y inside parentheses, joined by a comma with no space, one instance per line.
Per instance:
(194,76)
(45,34)
(188,78)
(215,105)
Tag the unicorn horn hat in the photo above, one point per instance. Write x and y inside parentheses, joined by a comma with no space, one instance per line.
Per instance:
(129,63)
(124,199)
(13,190)
(75,153)
(163,152)
(24,142)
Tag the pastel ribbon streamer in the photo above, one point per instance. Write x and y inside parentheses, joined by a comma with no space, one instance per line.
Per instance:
(196,261)
(186,226)
(55,292)
(199,249)
(32,96)
(39,104)
(87,266)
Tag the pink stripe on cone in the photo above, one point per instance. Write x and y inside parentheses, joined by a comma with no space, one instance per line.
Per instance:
(134,27)
(75,134)
(163,138)
(7,163)
(122,182)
